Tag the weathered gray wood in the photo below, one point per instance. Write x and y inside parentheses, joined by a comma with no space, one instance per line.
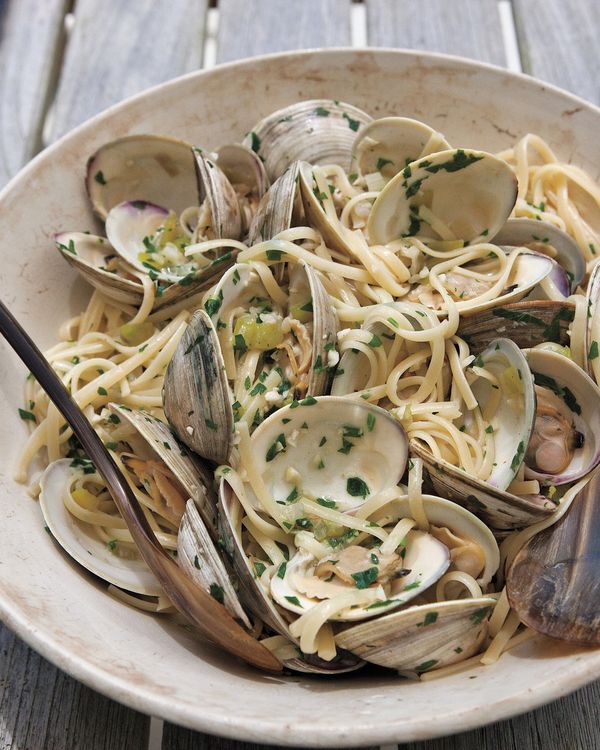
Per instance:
(470,28)
(117,49)
(558,41)
(567,724)
(41,707)
(254,27)
(30,32)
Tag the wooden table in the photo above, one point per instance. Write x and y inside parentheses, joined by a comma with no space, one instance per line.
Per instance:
(62,61)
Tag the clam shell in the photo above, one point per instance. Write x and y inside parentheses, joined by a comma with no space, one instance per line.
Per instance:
(582,396)
(426,558)
(591,363)
(361,441)
(498,509)
(196,396)
(192,474)
(325,324)
(387,145)
(333,232)
(79,541)
(463,523)
(320,131)
(537,235)
(87,254)
(277,207)
(526,323)
(198,556)
(421,638)
(215,188)
(242,166)
(153,168)
(257,602)
(471,192)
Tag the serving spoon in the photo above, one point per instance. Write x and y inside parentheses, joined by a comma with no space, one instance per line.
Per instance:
(554,581)
(210,617)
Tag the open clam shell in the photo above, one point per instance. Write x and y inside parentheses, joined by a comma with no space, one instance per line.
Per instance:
(276,210)
(388,144)
(454,194)
(508,407)
(544,237)
(577,446)
(152,168)
(421,638)
(320,131)
(329,442)
(527,323)
(254,597)
(89,254)
(196,396)
(79,541)
(445,514)
(190,472)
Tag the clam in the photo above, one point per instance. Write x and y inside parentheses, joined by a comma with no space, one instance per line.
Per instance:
(196,395)
(320,212)
(221,200)
(389,144)
(565,443)
(151,168)
(276,210)
(318,470)
(97,262)
(253,353)
(507,402)
(190,474)
(320,131)
(453,194)
(591,353)
(418,639)
(547,239)
(527,323)
(246,173)
(79,539)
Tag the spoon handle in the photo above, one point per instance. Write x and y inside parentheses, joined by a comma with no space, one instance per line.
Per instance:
(211,618)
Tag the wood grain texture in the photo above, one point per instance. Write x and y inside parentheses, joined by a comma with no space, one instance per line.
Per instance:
(117,49)
(470,28)
(41,707)
(558,42)
(567,724)
(255,27)
(30,32)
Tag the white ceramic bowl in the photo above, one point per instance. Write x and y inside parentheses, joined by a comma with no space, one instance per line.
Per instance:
(144,661)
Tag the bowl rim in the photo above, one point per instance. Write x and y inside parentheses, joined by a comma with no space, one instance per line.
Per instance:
(581,672)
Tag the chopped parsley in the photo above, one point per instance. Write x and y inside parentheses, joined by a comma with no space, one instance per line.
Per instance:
(357,487)
(99,177)
(217,592)
(293,600)
(365,578)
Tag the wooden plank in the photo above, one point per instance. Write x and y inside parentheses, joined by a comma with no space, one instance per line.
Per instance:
(30,34)
(567,724)
(470,28)
(117,49)
(558,40)
(41,707)
(254,27)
